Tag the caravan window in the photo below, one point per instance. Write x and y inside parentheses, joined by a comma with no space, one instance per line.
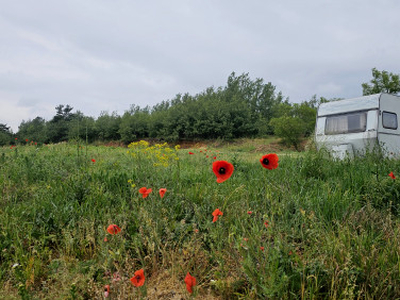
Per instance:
(346,123)
(389,120)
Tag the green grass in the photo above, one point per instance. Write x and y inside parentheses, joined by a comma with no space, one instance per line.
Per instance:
(333,227)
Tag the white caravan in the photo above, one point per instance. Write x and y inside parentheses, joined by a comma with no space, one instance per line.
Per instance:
(350,127)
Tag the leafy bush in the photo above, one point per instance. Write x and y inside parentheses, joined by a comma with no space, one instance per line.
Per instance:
(290,129)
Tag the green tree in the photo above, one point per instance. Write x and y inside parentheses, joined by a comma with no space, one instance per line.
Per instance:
(295,121)
(290,129)
(81,127)
(243,108)
(307,112)
(35,130)
(260,97)
(57,128)
(382,82)
(107,126)
(134,124)
(5,135)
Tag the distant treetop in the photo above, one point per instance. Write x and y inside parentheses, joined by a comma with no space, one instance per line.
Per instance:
(382,82)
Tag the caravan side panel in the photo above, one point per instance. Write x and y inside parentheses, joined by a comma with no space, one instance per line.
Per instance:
(348,126)
(359,142)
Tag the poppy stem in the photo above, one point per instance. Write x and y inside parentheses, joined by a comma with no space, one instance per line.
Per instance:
(143,292)
(230,195)
(178,175)
(265,186)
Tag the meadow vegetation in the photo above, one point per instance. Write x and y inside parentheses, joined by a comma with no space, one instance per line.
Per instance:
(311,228)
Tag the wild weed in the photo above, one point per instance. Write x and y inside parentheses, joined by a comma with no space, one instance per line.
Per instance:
(312,228)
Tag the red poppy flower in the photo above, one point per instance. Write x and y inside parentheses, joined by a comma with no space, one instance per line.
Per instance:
(269,161)
(261,248)
(214,157)
(223,170)
(162,192)
(190,282)
(216,214)
(16,138)
(106,291)
(266,224)
(392,175)
(138,278)
(106,239)
(249,212)
(26,140)
(144,191)
(113,229)
(191,153)
(93,160)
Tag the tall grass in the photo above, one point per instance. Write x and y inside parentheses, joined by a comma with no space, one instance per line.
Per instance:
(332,227)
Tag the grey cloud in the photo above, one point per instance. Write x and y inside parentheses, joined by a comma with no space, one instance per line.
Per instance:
(106,55)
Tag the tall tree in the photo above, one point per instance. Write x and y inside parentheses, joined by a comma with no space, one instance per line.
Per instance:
(58,126)
(5,134)
(134,124)
(107,126)
(382,82)
(35,130)
(81,127)
(260,97)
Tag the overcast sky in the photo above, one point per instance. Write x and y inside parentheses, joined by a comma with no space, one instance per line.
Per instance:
(104,55)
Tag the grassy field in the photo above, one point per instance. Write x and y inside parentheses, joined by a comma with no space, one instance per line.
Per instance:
(310,229)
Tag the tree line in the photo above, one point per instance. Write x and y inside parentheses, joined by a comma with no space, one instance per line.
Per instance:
(242,108)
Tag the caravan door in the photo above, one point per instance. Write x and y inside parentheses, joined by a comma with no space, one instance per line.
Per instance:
(388,126)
